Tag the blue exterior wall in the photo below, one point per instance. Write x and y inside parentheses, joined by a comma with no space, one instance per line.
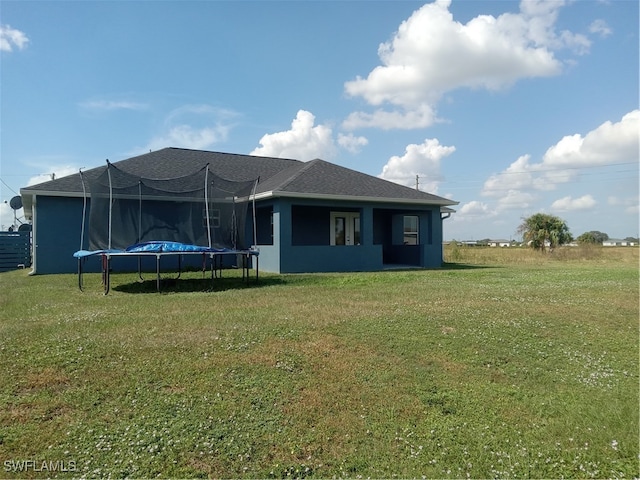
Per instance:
(56,227)
(300,240)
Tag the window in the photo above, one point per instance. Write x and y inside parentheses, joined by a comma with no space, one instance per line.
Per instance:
(214,218)
(411,225)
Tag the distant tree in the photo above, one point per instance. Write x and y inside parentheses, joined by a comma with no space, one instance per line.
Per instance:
(632,239)
(587,238)
(543,231)
(594,237)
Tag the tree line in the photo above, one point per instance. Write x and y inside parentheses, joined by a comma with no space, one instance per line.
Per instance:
(545,232)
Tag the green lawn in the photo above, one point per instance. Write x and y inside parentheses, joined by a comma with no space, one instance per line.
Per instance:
(504,364)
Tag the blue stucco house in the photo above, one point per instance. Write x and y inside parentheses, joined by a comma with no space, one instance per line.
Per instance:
(309,216)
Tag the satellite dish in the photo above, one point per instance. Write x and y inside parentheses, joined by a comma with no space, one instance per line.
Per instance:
(16,202)
(25,227)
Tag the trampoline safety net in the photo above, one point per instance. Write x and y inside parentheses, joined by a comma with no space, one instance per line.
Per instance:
(198,209)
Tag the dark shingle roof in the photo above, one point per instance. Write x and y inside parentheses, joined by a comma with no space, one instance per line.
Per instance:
(277,176)
(323,178)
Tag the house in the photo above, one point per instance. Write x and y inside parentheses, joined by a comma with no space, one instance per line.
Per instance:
(499,243)
(309,216)
(616,242)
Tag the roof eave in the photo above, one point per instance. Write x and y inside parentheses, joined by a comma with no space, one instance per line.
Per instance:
(351,198)
(28,194)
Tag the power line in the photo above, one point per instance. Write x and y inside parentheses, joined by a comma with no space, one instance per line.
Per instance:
(6,185)
(555,169)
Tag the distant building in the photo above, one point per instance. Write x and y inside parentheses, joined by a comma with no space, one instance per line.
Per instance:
(499,243)
(616,242)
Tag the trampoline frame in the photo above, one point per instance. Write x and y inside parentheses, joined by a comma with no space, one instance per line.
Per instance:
(161,248)
(215,259)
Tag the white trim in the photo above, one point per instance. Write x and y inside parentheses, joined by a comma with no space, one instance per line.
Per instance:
(34,237)
(352,198)
(273,194)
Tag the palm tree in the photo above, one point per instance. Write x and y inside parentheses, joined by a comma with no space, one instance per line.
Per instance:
(543,231)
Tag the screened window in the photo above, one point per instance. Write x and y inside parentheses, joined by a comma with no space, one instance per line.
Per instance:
(214,217)
(411,225)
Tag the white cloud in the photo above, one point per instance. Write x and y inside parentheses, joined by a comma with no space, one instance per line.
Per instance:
(199,127)
(109,105)
(516,200)
(631,205)
(305,141)
(10,37)
(569,204)
(600,27)
(420,116)
(609,144)
(186,136)
(7,218)
(431,54)
(422,160)
(351,143)
(474,208)
(53,172)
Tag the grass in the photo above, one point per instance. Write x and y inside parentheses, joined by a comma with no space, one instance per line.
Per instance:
(504,364)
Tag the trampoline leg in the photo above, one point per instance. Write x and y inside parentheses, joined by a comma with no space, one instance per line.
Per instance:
(179,266)
(106,274)
(140,268)
(214,266)
(244,266)
(80,274)
(158,273)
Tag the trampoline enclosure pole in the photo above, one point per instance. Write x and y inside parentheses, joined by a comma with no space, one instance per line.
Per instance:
(110,200)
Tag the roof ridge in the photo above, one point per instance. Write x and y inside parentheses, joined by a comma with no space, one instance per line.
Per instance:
(218,152)
(303,167)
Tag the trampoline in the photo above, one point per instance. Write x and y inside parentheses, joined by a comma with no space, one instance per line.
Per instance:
(198,215)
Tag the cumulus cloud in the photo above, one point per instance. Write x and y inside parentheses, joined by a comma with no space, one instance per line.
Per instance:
(7,216)
(609,144)
(351,143)
(422,160)
(304,141)
(10,38)
(568,204)
(474,208)
(489,52)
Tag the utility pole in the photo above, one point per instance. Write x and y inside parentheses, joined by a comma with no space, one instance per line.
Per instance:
(417,182)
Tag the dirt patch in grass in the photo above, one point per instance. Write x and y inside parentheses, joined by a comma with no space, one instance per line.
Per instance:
(48,378)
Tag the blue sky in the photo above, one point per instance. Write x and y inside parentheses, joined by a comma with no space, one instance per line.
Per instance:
(508,108)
